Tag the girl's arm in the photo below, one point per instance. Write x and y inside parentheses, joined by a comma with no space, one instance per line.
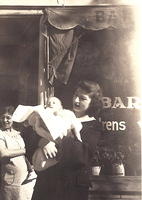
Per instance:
(11,153)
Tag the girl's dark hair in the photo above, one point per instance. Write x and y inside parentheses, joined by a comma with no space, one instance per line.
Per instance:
(94,91)
(7,109)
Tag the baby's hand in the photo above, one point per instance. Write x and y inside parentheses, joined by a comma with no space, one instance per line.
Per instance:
(63,133)
(76,127)
(78,137)
(77,134)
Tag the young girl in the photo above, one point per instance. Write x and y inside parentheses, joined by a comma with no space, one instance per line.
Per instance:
(14,169)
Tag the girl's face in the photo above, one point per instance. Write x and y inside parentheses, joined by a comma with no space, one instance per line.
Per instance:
(6,121)
(81,101)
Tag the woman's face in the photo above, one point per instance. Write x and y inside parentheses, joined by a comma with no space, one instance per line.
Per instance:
(6,121)
(81,101)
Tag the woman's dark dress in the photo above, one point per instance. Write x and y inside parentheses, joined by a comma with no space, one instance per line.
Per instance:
(59,183)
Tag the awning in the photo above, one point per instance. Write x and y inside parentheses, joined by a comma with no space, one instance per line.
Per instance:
(58,27)
(94,18)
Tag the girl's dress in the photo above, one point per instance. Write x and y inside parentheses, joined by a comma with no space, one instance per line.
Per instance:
(13,170)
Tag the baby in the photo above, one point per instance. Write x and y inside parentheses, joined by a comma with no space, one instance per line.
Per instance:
(65,118)
(64,122)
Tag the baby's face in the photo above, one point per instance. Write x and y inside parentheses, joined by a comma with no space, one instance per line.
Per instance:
(54,103)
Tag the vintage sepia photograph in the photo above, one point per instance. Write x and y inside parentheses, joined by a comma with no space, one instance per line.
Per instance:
(70,99)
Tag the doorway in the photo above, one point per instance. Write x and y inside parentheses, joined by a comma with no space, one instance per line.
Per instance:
(19,46)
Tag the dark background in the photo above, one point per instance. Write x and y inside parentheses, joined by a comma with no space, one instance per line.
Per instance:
(104,56)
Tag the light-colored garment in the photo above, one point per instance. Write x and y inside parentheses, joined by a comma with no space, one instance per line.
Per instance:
(56,125)
(70,119)
(13,170)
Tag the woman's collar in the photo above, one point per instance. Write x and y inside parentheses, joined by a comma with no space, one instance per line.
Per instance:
(86,118)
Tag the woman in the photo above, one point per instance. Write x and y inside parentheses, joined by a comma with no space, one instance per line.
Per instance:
(60,183)
(13,164)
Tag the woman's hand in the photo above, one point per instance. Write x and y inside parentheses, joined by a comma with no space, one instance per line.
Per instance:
(50,149)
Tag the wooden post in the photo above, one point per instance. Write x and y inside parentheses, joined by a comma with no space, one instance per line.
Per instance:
(41,69)
(44,72)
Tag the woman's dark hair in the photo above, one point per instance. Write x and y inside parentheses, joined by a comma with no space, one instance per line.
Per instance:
(94,91)
(7,109)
